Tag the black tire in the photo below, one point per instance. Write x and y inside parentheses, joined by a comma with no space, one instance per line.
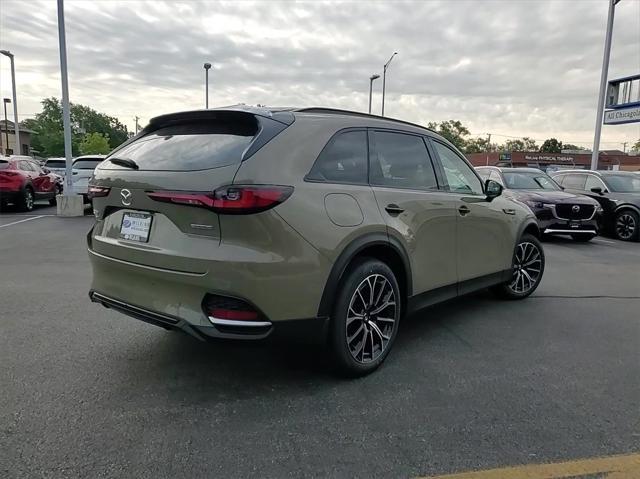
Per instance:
(627,226)
(582,237)
(507,290)
(25,203)
(58,191)
(373,327)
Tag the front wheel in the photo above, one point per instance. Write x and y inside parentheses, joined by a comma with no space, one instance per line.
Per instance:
(582,237)
(528,267)
(365,317)
(627,227)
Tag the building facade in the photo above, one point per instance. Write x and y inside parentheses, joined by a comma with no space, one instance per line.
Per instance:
(557,161)
(7,132)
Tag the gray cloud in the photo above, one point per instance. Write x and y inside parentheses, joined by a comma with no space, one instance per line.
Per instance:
(510,67)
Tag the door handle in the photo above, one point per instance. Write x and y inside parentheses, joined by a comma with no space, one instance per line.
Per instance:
(393,209)
(464,210)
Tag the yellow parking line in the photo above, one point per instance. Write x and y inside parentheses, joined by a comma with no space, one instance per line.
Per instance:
(613,467)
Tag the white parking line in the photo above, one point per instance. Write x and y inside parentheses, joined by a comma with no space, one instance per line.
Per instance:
(21,221)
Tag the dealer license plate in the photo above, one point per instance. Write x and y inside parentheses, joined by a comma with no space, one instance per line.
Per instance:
(136,226)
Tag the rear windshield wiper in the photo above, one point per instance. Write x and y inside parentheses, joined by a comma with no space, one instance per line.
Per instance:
(126,162)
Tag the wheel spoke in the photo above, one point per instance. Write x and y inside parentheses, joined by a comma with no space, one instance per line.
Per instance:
(375,328)
(353,336)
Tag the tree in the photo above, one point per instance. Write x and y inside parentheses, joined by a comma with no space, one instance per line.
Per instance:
(551,146)
(569,146)
(452,130)
(636,147)
(49,137)
(94,144)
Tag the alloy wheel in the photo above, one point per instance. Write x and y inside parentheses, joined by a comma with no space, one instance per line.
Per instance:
(527,268)
(625,226)
(28,199)
(371,318)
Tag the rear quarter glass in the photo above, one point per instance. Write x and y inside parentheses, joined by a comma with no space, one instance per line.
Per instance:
(188,146)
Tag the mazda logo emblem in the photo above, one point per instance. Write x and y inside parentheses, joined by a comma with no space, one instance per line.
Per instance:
(126,197)
(575,209)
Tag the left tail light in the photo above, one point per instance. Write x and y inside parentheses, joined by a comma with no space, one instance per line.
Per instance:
(232,199)
(98,191)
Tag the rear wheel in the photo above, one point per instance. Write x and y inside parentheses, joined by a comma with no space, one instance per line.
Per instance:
(57,191)
(26,200)
(627,227)
(365,317)
(582,237)
(528,267)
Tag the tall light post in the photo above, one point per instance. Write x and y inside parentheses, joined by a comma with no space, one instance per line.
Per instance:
(603,85)
(384,78)
(207,66)
(66,117)
(6,127)
(15,101)
(371,79)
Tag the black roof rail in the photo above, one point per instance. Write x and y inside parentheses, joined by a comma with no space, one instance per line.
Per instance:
(336,111)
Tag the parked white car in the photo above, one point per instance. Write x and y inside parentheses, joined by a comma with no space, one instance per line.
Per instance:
(83,167)
(56,165)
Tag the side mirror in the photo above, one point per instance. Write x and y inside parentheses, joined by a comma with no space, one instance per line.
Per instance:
(46,171)
(597,189)
(492,189)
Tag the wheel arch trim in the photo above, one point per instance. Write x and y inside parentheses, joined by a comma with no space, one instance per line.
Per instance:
(347,255)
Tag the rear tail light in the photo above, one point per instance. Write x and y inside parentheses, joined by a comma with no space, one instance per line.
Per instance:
(98,191)
(232,199)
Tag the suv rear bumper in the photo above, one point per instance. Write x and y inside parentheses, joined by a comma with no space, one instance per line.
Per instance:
(312,330)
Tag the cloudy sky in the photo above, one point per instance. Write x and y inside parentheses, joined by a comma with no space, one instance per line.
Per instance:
(512,68)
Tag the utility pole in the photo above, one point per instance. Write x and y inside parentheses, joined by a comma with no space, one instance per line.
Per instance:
(207,66)
(6,126)
(624,146)
(66,117)
(371,78)
(15,101)
(488,146)
(603,85)
(137,118)
(384,80)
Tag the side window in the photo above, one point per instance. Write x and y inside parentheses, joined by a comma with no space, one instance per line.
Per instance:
(343,159)
(593,182)
(401,161)
(558,179)
(35,167)
(460,176)
(574,182)
(25,166)
(495,176)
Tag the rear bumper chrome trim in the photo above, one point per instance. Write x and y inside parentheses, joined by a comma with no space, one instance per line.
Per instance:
(548,230)
(138,265)
(233,322)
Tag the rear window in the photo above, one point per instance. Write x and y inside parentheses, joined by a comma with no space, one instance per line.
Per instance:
(86,164)
(188,146)
(55,164)
(4,165)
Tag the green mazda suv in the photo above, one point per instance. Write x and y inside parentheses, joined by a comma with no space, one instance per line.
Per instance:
(313,223)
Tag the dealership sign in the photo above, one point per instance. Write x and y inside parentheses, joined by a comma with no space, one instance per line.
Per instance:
(619,116)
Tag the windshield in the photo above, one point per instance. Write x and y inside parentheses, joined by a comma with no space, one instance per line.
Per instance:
(529,181)
(55,164)
(88,164)
(623,183)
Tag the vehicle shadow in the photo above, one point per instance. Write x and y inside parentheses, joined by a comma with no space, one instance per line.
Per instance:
(203,371)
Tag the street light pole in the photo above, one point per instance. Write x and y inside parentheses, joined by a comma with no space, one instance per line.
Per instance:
(6,127)
(207,66)
(66,117)
(15,101)
(603,85)
(371,78)
(384,79)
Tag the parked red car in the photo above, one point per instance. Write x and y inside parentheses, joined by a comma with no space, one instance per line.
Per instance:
(23,180)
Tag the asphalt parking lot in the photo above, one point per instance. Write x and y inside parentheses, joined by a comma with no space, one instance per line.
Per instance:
(473,384)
